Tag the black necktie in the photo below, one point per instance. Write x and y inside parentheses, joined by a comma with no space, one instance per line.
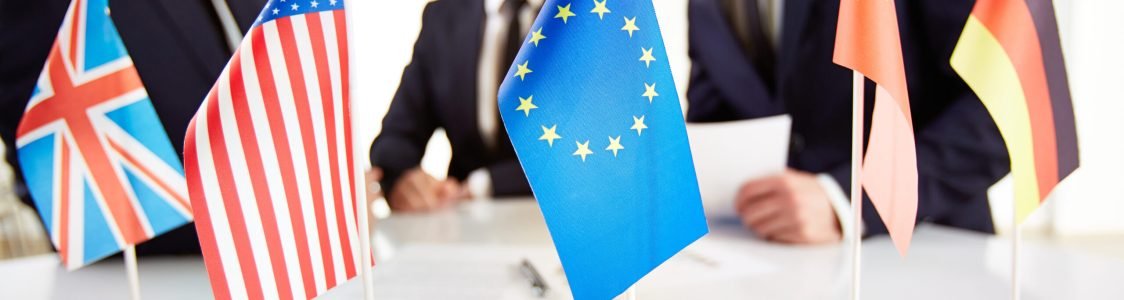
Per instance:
(749,25)
(513,39)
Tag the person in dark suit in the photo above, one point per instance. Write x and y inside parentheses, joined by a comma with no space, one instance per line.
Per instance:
(757,58)
(179,48)
(460,58)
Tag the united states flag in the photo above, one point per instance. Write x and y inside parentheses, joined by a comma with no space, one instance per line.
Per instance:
(270,159)
(97,161)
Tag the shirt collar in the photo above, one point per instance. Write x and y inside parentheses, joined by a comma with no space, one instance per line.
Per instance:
(493,6)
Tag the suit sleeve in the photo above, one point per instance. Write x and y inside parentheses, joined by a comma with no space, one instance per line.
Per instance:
(508,179)
(410,121)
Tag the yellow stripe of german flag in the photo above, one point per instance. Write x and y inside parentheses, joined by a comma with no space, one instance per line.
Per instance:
(1001,57)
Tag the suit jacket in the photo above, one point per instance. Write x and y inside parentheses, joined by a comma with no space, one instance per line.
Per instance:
(438,90)
(177,46)
(960,153)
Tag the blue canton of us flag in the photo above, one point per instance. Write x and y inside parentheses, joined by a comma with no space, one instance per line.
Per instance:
(591,108)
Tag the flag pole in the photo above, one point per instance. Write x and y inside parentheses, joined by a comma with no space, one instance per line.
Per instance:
(856,181)
(365,245)
(1015,242)
(365,239)
(131,272)
(362,211)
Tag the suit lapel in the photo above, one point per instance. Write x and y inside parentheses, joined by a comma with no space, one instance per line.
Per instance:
(245,12)
(469,41)
(179,31)
(795,23)
(732,70)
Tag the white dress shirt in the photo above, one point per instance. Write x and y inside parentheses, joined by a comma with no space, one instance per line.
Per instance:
(8,198)
(774,14)
(20,231)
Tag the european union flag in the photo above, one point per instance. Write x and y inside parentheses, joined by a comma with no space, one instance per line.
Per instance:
(591,108)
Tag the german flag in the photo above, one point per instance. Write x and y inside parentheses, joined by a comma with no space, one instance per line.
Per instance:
(1010,55)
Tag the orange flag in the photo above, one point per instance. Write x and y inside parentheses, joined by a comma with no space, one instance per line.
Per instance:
(867,41)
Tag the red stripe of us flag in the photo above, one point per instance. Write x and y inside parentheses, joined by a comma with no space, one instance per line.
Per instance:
(270,161)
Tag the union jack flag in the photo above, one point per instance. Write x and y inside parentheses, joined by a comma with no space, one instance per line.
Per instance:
(97,160)
(270,160)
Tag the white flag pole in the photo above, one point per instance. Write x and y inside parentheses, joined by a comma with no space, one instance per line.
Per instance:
(365,242)
(131,272)
(630,294)
(362,211)
(365,239)
(856,181)
(1015,242)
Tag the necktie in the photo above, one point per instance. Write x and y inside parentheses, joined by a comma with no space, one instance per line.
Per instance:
(749,24)
(513,39)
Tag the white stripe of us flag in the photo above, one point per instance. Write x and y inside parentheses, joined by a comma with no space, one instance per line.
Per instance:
(270,160)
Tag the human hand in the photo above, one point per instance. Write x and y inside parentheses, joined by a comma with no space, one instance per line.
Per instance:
(374,189)
(789,208)
(417,191)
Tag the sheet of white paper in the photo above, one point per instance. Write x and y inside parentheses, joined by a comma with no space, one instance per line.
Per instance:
(727,154)
(705,262)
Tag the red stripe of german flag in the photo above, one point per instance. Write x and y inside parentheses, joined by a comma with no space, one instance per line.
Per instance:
(1010,55)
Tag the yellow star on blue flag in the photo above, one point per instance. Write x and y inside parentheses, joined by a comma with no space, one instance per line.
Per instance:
(619,207)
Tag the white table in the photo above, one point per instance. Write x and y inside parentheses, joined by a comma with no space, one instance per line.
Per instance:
(471,253)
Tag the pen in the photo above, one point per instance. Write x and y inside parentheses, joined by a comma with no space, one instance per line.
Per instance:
(538,285)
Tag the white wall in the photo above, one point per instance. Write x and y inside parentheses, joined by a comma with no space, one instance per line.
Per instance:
(1091,201)
(384,41)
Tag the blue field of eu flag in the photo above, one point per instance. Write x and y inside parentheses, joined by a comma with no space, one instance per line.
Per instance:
(591,108)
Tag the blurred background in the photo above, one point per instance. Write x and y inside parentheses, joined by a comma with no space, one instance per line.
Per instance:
(1085,211)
